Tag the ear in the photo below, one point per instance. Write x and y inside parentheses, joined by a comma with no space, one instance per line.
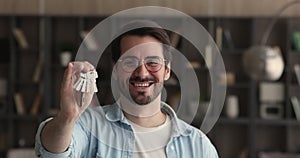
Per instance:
(167,72)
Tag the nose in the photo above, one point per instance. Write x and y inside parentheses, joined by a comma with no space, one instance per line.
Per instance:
(141,71)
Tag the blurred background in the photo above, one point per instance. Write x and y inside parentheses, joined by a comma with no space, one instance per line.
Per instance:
(261,113)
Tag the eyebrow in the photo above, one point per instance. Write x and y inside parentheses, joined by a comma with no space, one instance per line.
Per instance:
(153,56)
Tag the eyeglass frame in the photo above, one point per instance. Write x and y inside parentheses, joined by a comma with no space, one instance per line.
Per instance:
(142,61)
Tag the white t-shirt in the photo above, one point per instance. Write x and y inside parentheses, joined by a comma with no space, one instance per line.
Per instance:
(151,142)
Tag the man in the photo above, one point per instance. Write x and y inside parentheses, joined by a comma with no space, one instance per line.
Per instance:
(139,124)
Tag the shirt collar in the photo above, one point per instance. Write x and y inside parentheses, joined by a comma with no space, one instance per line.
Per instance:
(113,113)
(178,126)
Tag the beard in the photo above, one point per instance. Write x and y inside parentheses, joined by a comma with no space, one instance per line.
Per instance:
(140,97)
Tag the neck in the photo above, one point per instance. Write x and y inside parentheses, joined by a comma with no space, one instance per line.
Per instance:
(148,115)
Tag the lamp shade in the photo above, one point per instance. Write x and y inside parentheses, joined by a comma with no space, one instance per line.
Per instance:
(263,63)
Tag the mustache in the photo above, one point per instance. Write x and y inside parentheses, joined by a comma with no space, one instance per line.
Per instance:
(139,79)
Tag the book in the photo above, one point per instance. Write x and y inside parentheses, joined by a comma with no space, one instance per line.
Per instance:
(208,56)
(219,39)
(19,102)
(296,40)
(36,105)
(21,38)
(228,39)
(296,107)
(89,40)
(37,71)
(297,72)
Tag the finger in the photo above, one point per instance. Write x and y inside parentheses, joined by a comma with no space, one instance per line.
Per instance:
(83,67)
(87,99)
(89,66)
(67,79)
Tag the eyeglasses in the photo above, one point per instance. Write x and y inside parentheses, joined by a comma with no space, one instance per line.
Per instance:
(152,63)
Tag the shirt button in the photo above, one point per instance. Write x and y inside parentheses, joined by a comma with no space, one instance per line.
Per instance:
(172,148)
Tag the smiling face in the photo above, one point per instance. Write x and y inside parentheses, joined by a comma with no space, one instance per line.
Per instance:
(139,73)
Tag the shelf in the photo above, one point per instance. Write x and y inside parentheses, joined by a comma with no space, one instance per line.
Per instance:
(27,84)
(19,117)
(237,121)
(294,86)
(240,85)
(294,90)
(287,122)
(294,53)
(25,117)
(57,67)
(238,51)
(293,59)
(202,69)
(29,51)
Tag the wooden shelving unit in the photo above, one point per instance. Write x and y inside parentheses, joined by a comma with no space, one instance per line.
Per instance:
(248,133)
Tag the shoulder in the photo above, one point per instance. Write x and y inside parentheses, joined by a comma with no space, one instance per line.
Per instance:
(191,130)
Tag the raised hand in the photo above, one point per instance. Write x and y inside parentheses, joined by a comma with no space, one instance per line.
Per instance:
(57,133)
(74,102)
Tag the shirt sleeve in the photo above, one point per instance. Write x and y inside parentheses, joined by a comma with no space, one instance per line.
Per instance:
(74,149)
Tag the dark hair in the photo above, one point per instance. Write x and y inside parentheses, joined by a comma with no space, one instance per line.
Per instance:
(158,33)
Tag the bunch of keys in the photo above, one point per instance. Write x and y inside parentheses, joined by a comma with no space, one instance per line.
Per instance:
(86,83)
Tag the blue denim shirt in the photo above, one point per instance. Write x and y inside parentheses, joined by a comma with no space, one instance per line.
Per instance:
(103,132)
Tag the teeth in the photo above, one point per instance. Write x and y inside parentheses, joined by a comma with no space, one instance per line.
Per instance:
(141,84)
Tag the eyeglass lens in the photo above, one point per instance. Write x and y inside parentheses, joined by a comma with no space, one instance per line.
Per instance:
(153,63)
